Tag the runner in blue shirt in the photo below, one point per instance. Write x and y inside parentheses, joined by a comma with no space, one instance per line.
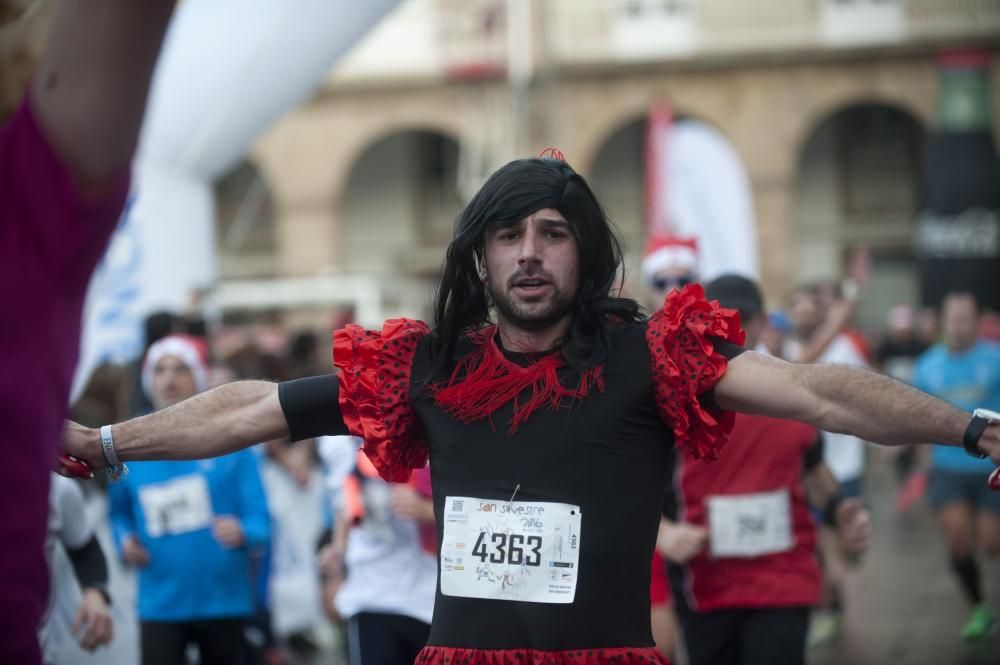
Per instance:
(966,372)
(190,527)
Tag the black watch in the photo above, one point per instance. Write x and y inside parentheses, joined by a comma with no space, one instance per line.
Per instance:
(981,418)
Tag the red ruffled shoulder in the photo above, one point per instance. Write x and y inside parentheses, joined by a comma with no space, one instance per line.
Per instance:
(374,393)
(685,365)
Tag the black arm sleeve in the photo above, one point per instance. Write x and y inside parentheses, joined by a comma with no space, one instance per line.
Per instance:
(727,350)
(814,455)
(89,564)
(312,407)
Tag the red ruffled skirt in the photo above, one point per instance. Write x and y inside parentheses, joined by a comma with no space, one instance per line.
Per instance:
(621,656)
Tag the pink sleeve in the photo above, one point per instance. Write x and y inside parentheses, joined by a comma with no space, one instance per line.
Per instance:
(374,394)
(46,219)
(686,365)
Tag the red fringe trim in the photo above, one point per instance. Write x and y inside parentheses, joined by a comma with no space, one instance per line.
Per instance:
(485,380)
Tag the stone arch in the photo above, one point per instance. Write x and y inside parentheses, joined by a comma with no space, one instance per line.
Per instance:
(594,133)
(245,223)
(809,122)
(857,185)
(399,199)
(618,176)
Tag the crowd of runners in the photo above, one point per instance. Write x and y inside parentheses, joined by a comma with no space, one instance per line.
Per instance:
(490,486)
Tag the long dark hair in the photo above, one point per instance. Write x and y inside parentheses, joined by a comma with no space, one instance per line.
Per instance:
(515,191)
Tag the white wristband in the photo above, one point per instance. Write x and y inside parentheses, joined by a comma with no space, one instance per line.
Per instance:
(108,446)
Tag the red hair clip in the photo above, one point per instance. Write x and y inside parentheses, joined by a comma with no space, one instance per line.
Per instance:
(554,153)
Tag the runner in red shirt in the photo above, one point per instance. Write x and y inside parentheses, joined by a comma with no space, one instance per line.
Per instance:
(743,561)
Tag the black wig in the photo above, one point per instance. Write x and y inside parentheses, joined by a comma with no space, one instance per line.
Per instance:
(512,193)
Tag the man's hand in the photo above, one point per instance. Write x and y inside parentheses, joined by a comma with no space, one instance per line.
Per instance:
(331,562)
(228,531)
(859,266)
(682,541)
(332,574)
(407,504)
(92,625)
(134,553)
(82,443)
(854,529)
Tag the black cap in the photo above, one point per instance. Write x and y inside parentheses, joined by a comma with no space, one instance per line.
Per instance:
(737,292)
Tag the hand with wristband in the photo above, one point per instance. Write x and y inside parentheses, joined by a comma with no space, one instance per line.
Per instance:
(75,467)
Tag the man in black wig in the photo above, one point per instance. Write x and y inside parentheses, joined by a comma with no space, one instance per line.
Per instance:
(548,406)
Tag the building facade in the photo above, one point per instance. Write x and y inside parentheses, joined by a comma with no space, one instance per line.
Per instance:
(828,103)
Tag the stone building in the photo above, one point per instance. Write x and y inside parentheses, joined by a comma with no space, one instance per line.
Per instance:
(827,102)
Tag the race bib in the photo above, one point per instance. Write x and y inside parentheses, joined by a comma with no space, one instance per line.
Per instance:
(176,506)
(525,551)
(749,525)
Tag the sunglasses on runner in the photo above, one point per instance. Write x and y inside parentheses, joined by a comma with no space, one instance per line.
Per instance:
(667,283)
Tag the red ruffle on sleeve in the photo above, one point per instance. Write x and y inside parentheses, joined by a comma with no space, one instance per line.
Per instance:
(374,394)
(685,365)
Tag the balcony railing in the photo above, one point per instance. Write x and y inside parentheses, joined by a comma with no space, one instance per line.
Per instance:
(470,38)
(591,31)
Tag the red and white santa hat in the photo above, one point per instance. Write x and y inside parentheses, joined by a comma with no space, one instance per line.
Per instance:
(668,251)
(189,350)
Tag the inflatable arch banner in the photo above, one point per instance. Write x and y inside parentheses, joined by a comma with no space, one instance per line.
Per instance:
(223,77)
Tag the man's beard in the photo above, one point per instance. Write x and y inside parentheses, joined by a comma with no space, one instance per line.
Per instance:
(528,317)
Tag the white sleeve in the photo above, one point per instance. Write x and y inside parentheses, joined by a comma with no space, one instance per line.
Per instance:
(844,351)
(339,455)
(74,528)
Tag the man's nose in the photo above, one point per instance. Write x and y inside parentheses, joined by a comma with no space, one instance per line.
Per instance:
(529,249)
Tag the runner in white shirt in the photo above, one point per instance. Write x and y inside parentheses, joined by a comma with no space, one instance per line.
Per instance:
(387,594)
(844,454)
(78,614)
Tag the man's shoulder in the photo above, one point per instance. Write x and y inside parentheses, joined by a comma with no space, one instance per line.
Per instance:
(929,361)
(58,220)
(623,331)
(988,351)
(629,339)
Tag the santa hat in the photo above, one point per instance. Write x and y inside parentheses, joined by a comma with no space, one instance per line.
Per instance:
(189,350)
(664,251)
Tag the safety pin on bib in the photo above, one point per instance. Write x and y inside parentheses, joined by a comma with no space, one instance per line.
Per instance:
(511,500)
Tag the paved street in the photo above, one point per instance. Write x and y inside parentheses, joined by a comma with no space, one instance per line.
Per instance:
(904,605)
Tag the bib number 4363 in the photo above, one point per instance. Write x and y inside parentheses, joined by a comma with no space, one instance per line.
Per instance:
(514,549)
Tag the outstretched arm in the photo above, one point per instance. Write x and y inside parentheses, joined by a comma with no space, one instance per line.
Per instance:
(216,422)
(838,398)
(90,90)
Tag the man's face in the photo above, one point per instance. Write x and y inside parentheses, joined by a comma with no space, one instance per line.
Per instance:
(532,270)
(805,313)
(959,321)
(172,382)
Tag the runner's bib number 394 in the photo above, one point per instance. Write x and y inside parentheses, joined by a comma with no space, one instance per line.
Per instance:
(749,525)
(518,550)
